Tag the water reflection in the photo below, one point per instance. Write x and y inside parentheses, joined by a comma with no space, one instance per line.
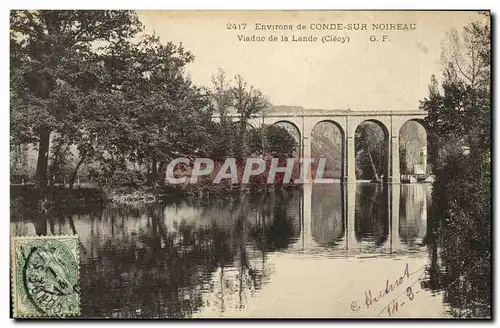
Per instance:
(413,216)
(381,219)
(183,258)
(328,214)
(372,215)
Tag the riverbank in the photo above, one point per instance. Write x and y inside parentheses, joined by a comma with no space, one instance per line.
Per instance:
(28,195)
(55,196)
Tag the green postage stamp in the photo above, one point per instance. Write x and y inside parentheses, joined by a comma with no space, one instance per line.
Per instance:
(45,276)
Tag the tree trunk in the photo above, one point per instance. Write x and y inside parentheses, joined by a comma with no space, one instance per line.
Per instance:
(43,159)
(154,171)
(373,166)
(154,167)
(243,133)
(75,171)
(263,140)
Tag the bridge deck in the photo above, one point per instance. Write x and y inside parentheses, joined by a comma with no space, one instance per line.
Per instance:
(335,113)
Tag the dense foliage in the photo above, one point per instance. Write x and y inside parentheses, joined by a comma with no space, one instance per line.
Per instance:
(460,150)
(102,101)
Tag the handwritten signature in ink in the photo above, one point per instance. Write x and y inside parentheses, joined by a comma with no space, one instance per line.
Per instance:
(376,296)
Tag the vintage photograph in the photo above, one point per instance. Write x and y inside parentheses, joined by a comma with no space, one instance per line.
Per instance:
(250,164)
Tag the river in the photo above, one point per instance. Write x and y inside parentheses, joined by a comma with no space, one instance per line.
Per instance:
(336,251)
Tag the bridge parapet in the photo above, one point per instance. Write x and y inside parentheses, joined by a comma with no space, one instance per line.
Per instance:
(347,121)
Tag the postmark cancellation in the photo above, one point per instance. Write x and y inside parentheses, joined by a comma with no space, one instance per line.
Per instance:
(45,276)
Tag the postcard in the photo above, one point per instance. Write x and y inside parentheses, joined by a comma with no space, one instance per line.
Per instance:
(250,164)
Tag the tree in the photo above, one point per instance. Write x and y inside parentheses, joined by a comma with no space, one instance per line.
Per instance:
(272,140)
(370,150)
(467,58)
(54,57)
(247,101)
(459,112)
(222,102)
(459,122)
(166,111)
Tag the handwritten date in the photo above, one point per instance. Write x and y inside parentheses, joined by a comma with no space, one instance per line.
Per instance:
(394,306)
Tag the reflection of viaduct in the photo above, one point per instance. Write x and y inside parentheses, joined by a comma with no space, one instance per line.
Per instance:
(391,198)
(347,121)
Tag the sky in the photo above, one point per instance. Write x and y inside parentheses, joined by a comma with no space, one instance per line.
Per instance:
(357,75)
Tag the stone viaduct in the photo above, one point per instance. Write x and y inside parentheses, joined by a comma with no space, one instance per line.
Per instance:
(347,121)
